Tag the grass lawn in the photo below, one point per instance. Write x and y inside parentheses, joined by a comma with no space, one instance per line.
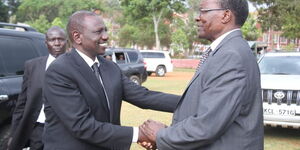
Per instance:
(175,83)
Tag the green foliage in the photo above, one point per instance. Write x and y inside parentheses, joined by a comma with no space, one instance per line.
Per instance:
(292,27)
(57,22)
(41,24)
(3,12)
(250,32)
(127,35)
(279,15)
(8,9)
(31,10)
(179,41)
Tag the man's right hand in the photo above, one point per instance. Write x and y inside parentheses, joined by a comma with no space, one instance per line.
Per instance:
(144,141)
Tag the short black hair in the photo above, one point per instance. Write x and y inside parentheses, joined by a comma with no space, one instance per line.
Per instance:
(76,20)
(57,28)
(238,7)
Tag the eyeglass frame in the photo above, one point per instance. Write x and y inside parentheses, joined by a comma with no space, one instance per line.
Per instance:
(205,10)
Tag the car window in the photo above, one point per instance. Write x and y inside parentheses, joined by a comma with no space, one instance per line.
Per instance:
(153,55)
(120,58)
(12,54)
(285,65)
(133,56)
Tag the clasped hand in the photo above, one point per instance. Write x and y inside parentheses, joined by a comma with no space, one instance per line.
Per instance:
(147,133)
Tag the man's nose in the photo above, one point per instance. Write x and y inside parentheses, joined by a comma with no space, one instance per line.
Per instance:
(197,19)
(104,36)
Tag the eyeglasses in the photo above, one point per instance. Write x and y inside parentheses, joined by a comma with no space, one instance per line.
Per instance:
(201,11)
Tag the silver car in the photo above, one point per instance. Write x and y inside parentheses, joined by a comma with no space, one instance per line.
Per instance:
(280,82)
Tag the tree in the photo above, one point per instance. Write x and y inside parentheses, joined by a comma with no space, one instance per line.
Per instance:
(279,15)
(32,10)
(3,12)
(250,32)
(179,41)
(41,24)
(10,8)
(157,10)
(127,35)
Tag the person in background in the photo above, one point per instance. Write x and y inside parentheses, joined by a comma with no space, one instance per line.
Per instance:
(28,117)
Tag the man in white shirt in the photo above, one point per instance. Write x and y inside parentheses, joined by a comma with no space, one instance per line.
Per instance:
(221,109)
(28,117)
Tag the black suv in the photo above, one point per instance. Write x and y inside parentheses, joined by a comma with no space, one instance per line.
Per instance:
(17,45)
(130,61)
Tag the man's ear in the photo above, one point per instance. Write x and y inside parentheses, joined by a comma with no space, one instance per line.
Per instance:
(227,16)
(77,37)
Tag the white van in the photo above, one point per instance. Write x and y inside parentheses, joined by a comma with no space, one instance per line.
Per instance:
(157,61)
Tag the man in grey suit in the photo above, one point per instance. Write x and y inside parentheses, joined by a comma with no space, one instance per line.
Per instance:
(83,94)
(221,109)
(28,117)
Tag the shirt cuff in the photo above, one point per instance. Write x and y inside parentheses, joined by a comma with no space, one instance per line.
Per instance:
(135,134)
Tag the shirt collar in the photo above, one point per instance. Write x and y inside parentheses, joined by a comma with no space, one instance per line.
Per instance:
(87,59)
(216,42)
(50,59)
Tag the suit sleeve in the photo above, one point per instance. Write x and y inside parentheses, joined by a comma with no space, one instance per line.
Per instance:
(146,99)
(21,102)
(65,99)
(220,102)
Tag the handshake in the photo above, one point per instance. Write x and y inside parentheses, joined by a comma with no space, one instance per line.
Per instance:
(147,134)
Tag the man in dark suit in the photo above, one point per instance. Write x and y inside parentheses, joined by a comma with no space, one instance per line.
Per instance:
(83,94)
(28,117)
(221,109)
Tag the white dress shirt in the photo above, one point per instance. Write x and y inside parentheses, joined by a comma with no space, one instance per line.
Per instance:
(42,118)
(90,62)
(216,42)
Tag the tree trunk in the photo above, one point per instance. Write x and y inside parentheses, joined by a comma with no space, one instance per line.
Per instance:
(157,41)
(156,21)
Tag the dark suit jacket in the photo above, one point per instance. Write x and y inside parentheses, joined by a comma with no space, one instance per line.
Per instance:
(221,108)
(29,102)
(77,116)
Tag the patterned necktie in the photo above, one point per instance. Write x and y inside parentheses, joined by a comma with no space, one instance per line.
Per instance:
(98,76)
(203,58)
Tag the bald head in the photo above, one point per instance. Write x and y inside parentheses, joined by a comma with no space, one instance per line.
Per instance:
(76,22)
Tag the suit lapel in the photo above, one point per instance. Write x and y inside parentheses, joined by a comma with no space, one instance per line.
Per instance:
(38,78)
(89,76)
(42,67)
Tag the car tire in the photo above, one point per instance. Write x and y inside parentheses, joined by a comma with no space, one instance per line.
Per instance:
(135,79)
(149,73)
(160,71)
(4,136)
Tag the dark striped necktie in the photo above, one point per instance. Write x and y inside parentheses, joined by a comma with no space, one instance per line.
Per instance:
(204,57)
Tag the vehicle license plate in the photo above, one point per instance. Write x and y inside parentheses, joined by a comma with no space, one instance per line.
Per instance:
(279,111)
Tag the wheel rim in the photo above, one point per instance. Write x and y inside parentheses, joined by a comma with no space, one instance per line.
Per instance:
(135,81)
(161,71)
